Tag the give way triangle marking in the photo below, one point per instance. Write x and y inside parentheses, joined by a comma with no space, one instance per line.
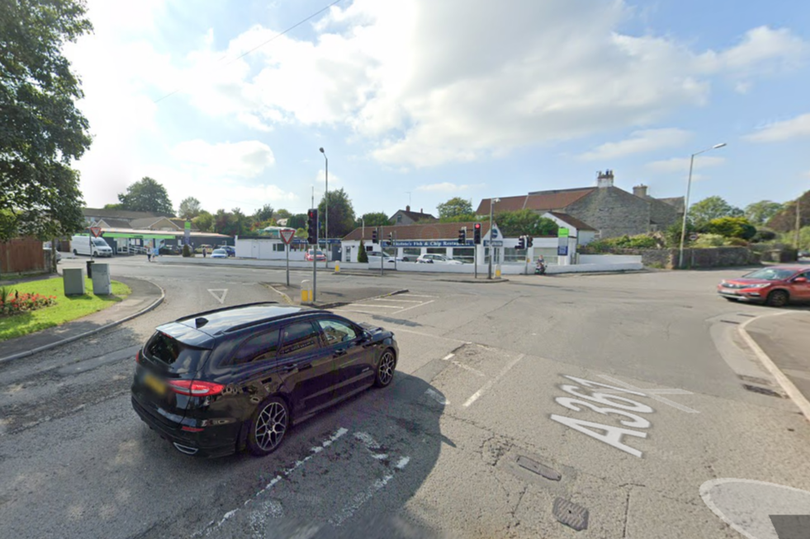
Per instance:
(219,294)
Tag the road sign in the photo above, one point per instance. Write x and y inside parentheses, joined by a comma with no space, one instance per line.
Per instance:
(287,235)
(562,232)
(494,243)
(95,231)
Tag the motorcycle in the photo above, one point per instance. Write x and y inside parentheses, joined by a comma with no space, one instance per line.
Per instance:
(540,268)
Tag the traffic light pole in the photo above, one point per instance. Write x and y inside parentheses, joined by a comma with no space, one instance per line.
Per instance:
(382,252)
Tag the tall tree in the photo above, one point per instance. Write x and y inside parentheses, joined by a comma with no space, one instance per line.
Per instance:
(341,214)
(525,222)
(41,130)
(759,213)
(712,208)
(299,220)
(281,213)
(265,213)
(373,219)
(189,208)
(785,220)
(231,223)
(204,221)
(147,195)
(455,207)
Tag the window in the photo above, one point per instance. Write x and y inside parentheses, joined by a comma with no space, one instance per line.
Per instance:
(170,351)
(337,331)
(298,337)
(465,254)
(437,250)
(278,247)
(412,251)
(259,348)
(511,254)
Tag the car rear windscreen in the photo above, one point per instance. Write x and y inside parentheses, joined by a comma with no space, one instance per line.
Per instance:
(172,352)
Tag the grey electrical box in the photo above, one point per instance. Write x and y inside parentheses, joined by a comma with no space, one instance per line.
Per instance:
(73,281)
(102,284)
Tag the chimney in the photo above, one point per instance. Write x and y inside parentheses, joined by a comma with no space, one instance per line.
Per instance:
(407,208)
(421,210)
(604,179)
(640,191)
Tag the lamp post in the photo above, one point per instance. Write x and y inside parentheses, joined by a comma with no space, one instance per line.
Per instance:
(491,248)
(326,207)
(686,201)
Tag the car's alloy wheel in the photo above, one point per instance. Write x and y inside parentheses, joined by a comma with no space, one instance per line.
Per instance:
(268,427)
(778,298)
(385,370)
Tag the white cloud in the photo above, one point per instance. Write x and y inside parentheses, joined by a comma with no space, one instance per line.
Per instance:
(681,164)
(761,50)
(245,159)
(784,130)
(444,187)
(639,141)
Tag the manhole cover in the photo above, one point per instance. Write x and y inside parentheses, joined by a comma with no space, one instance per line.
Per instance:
(762,390)
(540,469)
(570,514)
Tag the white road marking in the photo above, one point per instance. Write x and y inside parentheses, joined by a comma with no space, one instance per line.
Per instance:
(220,298)
(415,306)
(468,368)
(656,394)
(402,463)
(448,356)
(367,440)
(612,436)
(400,300)
(418,296)
(435,395)
(486,387)
(347,512)
(376,306)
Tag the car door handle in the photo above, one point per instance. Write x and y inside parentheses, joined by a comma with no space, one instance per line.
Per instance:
(339,353)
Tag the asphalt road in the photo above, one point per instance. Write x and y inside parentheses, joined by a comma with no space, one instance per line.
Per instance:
(622,394)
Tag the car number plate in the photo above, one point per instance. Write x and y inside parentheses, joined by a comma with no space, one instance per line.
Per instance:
(155,384)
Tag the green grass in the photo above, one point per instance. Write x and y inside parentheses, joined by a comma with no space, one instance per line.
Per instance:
(65,310)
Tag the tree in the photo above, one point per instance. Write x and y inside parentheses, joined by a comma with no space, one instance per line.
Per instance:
(146,195)
(301,233)
(785,220)
(265,213)
(204,221)
(341,214)
(525,222)
(454,207)
(759,213)
(113,206)
(299,220)
(231,223)
(373,219)
(731,227)
(362,255)
(41,130)
(189,208)
(462,217)
(712,208)
(282,214)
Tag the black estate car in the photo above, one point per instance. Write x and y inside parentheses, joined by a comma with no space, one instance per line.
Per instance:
(216,382)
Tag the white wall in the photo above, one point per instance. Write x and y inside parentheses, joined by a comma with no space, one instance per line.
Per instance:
(263,250)
(610,259)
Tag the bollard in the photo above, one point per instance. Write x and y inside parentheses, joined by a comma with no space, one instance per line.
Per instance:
(498,271)
(306,291)
(337,267)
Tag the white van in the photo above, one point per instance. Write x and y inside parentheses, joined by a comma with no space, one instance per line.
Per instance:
(90,246)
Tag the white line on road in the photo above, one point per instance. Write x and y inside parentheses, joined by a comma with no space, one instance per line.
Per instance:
(415,306)
(220,298)
(400,300)
(376,306)
(438,397)
(363,497)
(656,394)
(486,387)
(468,368)
(448,356)
(418,296)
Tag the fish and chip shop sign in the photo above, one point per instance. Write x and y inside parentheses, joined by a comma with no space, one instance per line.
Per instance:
(432,243)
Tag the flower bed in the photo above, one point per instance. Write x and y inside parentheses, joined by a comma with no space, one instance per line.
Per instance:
(12,303)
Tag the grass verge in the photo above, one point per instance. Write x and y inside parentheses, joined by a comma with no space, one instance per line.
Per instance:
(65,310)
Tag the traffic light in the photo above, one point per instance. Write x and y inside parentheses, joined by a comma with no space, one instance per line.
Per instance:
(528,241)
(462,235)
(391,238)
(521,243)
(374,236)
(312,226)
(477,234)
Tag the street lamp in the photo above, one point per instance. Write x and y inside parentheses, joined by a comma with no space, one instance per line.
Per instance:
(326,207)
(686,202)
(491,248)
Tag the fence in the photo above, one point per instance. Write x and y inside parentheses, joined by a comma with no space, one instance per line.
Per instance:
(21,255)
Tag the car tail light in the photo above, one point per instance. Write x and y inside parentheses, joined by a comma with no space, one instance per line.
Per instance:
(191,429)
(138,357)
(196,388)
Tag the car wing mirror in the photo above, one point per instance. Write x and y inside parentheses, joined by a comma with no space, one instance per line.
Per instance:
(800,280)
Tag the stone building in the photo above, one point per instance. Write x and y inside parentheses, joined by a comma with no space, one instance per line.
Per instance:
(408,217)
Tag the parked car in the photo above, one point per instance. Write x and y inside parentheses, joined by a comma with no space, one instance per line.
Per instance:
(437,259)
(219,253)
(217,382)
(170,250)
(312,254)
(374,258)
(228,249)
(775,286)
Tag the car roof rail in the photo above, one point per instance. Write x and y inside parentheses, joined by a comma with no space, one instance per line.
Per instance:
(303,313)
(226,308)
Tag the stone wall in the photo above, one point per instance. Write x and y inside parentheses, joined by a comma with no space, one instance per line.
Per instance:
(613,212)
(696,258)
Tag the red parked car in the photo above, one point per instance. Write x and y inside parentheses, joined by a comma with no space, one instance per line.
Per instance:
(775,286)
(313,255)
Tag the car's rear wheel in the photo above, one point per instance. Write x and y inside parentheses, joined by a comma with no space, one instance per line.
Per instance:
(268,426)
(777,298)
(385,369)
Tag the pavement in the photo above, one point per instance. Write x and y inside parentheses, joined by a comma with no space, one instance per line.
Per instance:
(145,297)
(784,339)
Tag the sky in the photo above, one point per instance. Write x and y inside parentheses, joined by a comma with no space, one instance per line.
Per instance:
(419,101)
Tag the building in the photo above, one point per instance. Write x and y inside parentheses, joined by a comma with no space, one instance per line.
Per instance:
(607,209)
(408,217)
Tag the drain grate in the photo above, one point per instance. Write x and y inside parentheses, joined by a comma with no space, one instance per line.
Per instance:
(540,469)
(571,514)
(762,391)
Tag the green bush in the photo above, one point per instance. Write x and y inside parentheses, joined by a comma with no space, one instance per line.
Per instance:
(709,240)
(732,227)
(642,241)
(362,256)
(764,234)
(673,233)
(737,242)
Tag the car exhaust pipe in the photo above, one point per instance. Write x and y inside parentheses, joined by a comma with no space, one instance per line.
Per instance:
(185,449)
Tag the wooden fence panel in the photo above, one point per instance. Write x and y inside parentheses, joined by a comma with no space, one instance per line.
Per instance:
(21,255)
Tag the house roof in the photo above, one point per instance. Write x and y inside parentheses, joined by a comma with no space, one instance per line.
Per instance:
(118,214)
(676,202)
(429,231)
(573,221)
(147,232)
(413,215)
(116,223)
(181,223)
(556,199)
(147,222)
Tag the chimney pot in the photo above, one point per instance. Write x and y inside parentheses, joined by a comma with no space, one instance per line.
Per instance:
(604,179)
(407,208)
(640,191)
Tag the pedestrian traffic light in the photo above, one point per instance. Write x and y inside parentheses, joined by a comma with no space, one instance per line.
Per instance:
(312,226)
(462,235)
(374,236)
(528,241)
(521,243)
(477,234)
